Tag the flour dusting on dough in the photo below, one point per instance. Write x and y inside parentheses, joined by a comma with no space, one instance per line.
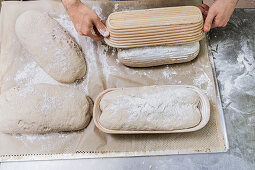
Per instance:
(150,108)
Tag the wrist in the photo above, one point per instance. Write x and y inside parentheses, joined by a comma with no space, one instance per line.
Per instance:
(234,2)
(68,4)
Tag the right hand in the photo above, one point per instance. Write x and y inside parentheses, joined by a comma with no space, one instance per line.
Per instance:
(85,20)
(218,14)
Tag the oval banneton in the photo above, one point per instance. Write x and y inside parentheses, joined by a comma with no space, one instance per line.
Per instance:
(203,106)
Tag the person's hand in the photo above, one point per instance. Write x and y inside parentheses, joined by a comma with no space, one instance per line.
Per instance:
(218,14)
(85,20)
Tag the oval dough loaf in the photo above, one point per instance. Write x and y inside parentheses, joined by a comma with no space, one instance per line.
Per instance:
(51,46)
(158,55)
(150,108)
(43,108)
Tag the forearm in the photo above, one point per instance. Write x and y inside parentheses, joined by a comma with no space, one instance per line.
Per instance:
(233,1)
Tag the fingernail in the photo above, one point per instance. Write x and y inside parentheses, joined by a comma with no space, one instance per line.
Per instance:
(93,31)
(104,33)
(207,28)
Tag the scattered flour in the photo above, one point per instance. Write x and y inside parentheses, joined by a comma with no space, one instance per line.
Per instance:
(49,103)
(168,74)
(33,74)
(24,92)
(116,7)
(98,11)
(66,23)
(46,140)
(203,82)
(236,75)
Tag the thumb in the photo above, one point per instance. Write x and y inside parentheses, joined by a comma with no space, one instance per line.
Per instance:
(209,20)
(101,28)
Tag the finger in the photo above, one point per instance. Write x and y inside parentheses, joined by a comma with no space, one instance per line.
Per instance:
(95,36)
(206,7)
(214,25)
(101,28)
(204,16)
(90,32)
(201,9)
(208,21)
(222,23)
(204,12)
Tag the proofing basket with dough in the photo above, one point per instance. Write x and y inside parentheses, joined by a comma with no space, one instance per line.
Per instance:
(204,107)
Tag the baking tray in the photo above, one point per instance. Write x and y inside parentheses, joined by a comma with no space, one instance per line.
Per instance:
(92,143)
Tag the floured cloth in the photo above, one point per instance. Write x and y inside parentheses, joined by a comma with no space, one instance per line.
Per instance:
(104,71)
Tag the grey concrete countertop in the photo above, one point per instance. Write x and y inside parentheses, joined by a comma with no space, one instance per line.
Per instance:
(233,48)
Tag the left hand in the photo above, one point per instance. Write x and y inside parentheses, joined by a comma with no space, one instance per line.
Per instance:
(218,14)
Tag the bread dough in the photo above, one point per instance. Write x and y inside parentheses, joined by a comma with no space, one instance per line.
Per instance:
(158,55)
(51,46)
(150,108)
(43,108)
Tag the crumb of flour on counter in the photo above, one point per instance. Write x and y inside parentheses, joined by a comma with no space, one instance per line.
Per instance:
(167,74)
(33,74)
(46,139)
(117,61)
(66,23)
(116,7)
(202,81)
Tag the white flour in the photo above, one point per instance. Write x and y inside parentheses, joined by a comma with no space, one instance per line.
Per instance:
(26,91)
(203,82)
(98,11)
(116,7)
(169,73)
(66,23)
(49,103)
(229,74)
(33,74)
(29,141)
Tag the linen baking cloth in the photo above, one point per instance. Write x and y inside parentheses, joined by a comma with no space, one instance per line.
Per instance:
(104,71)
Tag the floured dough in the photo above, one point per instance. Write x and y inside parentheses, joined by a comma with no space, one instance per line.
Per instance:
(43,108)
(51,46)
(150,108)
(158,55)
